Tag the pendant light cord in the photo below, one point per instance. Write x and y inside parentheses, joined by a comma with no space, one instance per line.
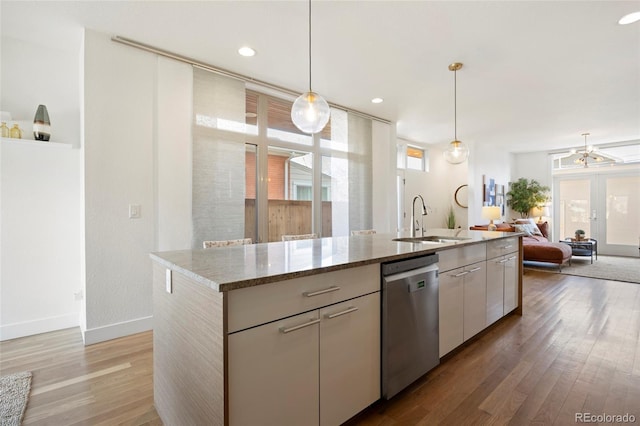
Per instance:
(309,45)
(455,105)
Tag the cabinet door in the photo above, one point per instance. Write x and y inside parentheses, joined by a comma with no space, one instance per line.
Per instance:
(349,358)
(274,373)
(495,289)
(450,309)
(511,282)
(475,299)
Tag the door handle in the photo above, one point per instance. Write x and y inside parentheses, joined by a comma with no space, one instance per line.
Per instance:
(460,274)
(298,327)
(475,269)
(319,292)
(337,314)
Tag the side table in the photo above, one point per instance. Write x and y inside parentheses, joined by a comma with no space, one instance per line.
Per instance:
(588,247)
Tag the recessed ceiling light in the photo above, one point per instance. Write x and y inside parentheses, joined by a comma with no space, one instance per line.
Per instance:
(246,51)
(377,100)
(630,18)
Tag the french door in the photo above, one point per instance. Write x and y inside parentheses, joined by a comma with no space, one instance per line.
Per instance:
(604,205)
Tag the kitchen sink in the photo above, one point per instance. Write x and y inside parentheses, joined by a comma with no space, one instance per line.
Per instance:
(431,239)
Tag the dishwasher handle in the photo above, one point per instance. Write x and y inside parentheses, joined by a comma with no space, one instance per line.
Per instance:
(411,273)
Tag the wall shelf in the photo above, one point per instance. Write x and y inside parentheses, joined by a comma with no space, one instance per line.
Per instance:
(31,142)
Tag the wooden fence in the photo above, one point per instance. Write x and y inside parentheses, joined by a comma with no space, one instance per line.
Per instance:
(286,217)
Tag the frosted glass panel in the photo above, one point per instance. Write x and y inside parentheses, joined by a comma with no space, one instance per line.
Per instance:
(218,158)
(623,205)
(575,207)
(360,170)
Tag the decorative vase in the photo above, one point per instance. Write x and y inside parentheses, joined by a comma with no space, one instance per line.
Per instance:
(41,124)
(15,132)
(5,130)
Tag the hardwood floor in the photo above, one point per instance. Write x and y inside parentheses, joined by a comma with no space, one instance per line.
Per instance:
(575,350)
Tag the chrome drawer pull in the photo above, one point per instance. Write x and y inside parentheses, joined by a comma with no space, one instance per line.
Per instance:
(460,274)
(319,292)
(298,327)
(475,269)
(337,314)
(512,257)
(503,260)
(506,247)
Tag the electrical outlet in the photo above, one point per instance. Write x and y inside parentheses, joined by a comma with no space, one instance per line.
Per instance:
(135,211)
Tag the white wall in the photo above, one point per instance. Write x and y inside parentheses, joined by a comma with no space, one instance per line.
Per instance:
(437,187)
(40,276)
(492,163)
(119,111)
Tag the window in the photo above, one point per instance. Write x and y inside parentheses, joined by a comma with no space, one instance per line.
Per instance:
(412,157)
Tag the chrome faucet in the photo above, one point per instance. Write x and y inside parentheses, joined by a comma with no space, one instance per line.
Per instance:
(413,216)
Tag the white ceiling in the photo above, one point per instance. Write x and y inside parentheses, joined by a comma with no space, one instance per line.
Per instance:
(536,74)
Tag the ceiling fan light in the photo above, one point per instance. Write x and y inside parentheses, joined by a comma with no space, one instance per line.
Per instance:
(310,113)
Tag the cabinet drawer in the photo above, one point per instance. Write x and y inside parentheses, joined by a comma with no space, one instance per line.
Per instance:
(502,246)
(257,305)
(462,256)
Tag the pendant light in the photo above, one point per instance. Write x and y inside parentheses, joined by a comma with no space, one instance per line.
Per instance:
(457,152)
(310,112)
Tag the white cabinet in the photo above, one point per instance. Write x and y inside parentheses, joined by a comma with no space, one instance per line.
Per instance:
(495,290)
(462,305)
(475,296)
(318,367)
(349,358)
(273,373)
(450,310)
(511,274)
(502,282)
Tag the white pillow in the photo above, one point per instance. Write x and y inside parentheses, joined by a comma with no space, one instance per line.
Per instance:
(528,228)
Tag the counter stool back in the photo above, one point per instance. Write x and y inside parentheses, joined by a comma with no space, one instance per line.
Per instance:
(299,237)
(363,232)
(225,243)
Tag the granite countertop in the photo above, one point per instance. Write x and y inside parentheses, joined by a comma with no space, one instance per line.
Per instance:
(234,267)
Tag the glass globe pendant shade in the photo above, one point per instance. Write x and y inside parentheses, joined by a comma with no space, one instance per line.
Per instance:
(456,153)
(310,113)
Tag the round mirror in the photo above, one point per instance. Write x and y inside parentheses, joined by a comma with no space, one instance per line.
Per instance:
(461,196)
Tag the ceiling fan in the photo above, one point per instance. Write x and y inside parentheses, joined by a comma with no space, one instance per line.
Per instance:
(587,153)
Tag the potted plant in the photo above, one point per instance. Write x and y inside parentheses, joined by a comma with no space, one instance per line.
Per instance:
(580,234)
(525,194)
(450,219)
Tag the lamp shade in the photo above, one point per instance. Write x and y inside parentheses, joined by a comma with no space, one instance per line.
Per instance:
(539,212)
(456,152)
(310,113)
(491,212)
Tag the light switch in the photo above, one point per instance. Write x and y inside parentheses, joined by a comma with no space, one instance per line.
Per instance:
(134,211)
(168,281)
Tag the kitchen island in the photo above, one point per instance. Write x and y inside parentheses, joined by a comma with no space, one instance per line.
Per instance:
(289,332)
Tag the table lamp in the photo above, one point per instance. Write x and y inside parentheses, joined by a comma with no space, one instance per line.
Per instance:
(492,213)
(539,211)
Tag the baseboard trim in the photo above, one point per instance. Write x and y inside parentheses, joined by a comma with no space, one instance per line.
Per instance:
(42,325)
(114,331)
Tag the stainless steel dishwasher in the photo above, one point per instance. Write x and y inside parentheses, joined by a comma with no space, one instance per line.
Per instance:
(409,321)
